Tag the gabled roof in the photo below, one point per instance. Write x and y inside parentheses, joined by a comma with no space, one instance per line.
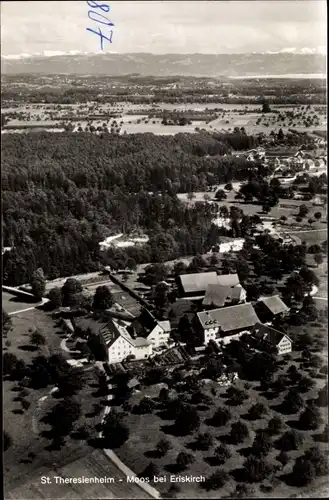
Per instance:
(269,334)
(141,342)
(197,282)
(114,330)
(165,325)
(229,318)
(274,304)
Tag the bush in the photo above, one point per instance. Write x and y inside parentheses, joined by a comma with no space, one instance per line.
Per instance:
(239,432)
(222,453)
(220,417)
(290,440)
(204,441)
(257,469)
(183,460)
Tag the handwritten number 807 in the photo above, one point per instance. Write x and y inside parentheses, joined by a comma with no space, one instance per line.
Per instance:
(105,21)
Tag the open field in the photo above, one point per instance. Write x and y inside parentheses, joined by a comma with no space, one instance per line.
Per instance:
(312,237)
(229,116)
(11,303)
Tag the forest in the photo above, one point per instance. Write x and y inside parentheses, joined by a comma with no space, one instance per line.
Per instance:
(62,197)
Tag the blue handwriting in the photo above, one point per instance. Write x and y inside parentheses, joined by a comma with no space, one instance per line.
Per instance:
(100,19)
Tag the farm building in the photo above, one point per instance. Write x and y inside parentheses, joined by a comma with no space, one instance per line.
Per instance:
(269,308)
(121,344)
(270,339)
(225,323)
(221,295)
(147,326)
(195,285)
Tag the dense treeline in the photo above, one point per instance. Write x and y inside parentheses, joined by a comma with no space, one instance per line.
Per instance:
(62,197)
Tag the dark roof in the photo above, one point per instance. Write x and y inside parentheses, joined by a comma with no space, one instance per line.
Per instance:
(229,318)
(269,334)
(274,304)
(198,282)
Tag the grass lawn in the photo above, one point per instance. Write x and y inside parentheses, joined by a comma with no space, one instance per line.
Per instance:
(312,237)
(24,426)
(12,303)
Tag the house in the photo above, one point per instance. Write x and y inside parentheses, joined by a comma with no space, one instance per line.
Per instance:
(225,323)
(268,308)
(195,285)
(221,295)
(271,340)
(121,344)
(148,327)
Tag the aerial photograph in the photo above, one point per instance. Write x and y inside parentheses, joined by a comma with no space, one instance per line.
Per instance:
(164,249)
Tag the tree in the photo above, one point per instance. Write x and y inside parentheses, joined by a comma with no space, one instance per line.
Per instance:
(115,432)
(310,418)
(7,439)
(38,284)
(187,420)
(305,384)
(220,195)
(292,402)
(290,440)
(150,471)
(275,425)
(9,362)
(318,258)
(37,338)
(239,432)
(303,472)
(257,469)
(222,453)
(317,215)
(262,444)
(204,441)
(146,405)
(310,221)
(103,298)
(55,297)
(70,288)
(322,399)
(190,196)
(179,268)
(266,107)
(163,447)
(257,411)
(280,135)
(184,459)
(303,211)
(63,416)
(220,417)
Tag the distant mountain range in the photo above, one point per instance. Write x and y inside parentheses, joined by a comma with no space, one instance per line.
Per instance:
(206,65)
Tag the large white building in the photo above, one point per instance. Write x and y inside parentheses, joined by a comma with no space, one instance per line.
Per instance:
(121,344)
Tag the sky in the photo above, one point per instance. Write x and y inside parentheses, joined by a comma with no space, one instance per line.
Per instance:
(159,27)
